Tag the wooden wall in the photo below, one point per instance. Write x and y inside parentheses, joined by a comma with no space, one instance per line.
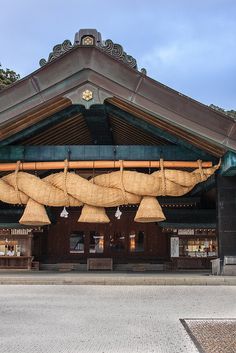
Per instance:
(54,245)
(226,203)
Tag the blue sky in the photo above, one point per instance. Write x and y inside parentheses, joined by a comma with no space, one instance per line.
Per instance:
(189,45)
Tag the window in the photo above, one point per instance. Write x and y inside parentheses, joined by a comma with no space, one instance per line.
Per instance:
(136,241)
(117,241)
(96,243)
(77,242)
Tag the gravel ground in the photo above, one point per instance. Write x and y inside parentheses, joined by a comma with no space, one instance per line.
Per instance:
(104,319)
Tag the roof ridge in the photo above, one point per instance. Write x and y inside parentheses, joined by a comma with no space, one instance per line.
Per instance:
(91,37)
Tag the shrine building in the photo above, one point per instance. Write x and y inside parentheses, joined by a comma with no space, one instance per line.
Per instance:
(103,167)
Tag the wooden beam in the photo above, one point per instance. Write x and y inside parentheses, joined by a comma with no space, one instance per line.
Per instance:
(43,125)
(96,152)
(194,225)
(190,216)
(154,130)
(228,165)
(101,164)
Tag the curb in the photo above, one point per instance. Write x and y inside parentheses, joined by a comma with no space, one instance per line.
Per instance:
(120,281)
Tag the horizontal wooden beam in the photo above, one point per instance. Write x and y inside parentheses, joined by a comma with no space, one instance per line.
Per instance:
(195,225)
(191,218)
(228,165)
(100,165)
(154,130)
(42,125)
(97,152)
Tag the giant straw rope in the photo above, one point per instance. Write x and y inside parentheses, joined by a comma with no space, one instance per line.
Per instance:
(105,190)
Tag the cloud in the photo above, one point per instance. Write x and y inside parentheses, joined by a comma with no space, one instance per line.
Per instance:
(186,44)
(201,67)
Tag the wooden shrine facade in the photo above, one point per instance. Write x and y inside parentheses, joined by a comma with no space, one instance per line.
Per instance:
(89,102)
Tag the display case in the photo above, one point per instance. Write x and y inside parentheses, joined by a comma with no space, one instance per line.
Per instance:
(15,248)
(198,247)
(192,248)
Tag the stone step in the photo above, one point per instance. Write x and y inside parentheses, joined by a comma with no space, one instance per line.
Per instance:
(138,267)
(135,267)
(63,267)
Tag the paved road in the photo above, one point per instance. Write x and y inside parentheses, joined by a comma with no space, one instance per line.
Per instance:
(104,319)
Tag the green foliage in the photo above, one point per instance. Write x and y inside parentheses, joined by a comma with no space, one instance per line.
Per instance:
(231,112)
(7,77)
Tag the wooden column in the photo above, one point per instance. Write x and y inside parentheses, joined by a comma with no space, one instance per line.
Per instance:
(226,207)
(29,252)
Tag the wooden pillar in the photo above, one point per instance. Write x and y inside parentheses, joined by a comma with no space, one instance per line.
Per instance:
(226,208)
(30,236)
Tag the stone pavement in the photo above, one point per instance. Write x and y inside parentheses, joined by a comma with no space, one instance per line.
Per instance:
(106,319)
(114,278)
(212,335)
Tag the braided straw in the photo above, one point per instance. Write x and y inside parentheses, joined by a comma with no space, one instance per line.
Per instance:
(163,178)
(149,211)
(122,183)
(16,181)
(65,187)
(92,214)
(200,169)
(106,190)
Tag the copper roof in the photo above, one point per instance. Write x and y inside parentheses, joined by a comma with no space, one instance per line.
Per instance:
(88,67)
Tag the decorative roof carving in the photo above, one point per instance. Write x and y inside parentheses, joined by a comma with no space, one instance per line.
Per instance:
(57,51)
(118,52)
(91,37)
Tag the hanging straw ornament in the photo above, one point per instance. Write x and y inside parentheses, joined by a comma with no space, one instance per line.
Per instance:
(34,214)
(118,213)
(105,190)
(93,214)
(64,213)
(149,211)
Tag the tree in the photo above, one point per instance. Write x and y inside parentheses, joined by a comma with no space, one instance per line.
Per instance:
(231,112)
(7,77)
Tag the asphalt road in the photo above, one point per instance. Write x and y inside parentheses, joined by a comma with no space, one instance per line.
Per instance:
(104,319)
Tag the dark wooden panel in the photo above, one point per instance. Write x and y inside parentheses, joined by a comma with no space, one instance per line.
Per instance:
(155,243)
(228,166)
(96,152)
(226,215)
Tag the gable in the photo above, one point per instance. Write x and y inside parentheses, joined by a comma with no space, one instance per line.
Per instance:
(108,124)
(62,82)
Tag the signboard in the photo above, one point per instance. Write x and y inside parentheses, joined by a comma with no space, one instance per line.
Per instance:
(174,246)
(20,231)
(4,231)
(185,231)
